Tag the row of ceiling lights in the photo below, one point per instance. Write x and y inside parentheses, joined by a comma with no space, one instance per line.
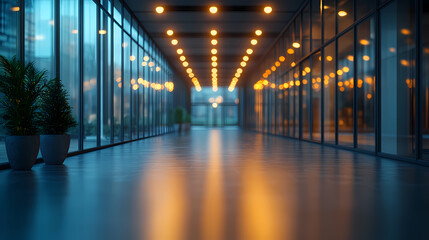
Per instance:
(214,51)
(212,9)
(214,42)
(185,63)
(243,64)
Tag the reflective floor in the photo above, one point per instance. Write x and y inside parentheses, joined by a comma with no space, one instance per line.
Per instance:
(217,184)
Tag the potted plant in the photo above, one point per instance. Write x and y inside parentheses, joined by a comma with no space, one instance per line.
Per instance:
(179,117)
(56,120)
(21,86)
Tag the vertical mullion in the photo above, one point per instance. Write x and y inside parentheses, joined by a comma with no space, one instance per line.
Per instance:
(57,38)
(377,85)
(122,74)
(98,77)
(336,75)
(418,50)
(322,75)
(80,36)
(354,116)
(111,80)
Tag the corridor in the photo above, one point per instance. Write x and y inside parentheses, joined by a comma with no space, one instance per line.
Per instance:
(217,184)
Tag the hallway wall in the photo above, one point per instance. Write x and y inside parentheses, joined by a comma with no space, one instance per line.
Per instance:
(349,74)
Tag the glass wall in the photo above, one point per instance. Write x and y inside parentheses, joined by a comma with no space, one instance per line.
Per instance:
(353,81)
(214,109)
(116,80)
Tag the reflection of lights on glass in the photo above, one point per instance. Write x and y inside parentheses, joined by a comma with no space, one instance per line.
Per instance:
(296,45)
(75,31)
(350,58)
(132,58)
(14,9)
(329,58)
(144,64)
(146,58)
(214,105)
(125,44)
(405,31)
(366,58)
(290,51)
(364,42)
(342,13)
(102,32)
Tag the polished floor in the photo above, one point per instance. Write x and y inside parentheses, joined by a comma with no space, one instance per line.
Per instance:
(217,184)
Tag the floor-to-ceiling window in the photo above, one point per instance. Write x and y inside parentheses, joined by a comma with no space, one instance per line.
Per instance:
(102,55)
(362,60)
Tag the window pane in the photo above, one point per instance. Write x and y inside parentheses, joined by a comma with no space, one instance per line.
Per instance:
(9,30)
(285,104)
(329,93)
(425,80)
(106,77)
(39,38)
(127,87)
(89,74)
(117,87)
(69,65)
(306,30)
(140,92)
(344,14)
(345,84)
(135,93)
(363,7)
(329,19)
(296,89)
(365,91)
(316,97)
(306,98)
(316,25)
(397,78)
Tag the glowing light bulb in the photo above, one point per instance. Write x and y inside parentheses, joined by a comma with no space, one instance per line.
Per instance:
(246,58)
(170,32)
(214,42)
(174,42)
(214,51)
(296,45)
(258,32)
(213,10)
(179,51)
(213,32)
(342,13)
(254,42)
(268,9)
(214,58)
(249,51)
(159,9)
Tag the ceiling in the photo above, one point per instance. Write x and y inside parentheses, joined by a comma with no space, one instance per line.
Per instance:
(236,22)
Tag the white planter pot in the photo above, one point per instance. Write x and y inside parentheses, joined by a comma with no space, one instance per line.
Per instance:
(54,148)
(22,151)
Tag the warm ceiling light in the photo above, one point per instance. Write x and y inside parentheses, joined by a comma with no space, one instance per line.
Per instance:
(214,42)
(146,58)
(214,51)
(239,70)
(214,64)
(213,32)
(282,59)
(243,64)
(268,9)
(185,64)
(254,42)
(174,42)
(14,9)
(179,51)
(132,58)
(170,32)
(151,64)
(342,13)
(237,75)
(214,58)
(191,75)
(213,10)
(159,9)
(246,58)
(290,51)
(214,70)
(102,32)
(144,64)
(364,42)
(258,32)
(182,58)
(189,70)
(249,51)
(296,45)
(277,64)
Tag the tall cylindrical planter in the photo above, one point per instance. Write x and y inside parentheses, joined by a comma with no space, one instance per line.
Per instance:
(22,151)
(54,148)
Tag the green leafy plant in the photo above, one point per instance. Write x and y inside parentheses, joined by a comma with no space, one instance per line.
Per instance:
(21,86)
(179,115)
(56,113)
